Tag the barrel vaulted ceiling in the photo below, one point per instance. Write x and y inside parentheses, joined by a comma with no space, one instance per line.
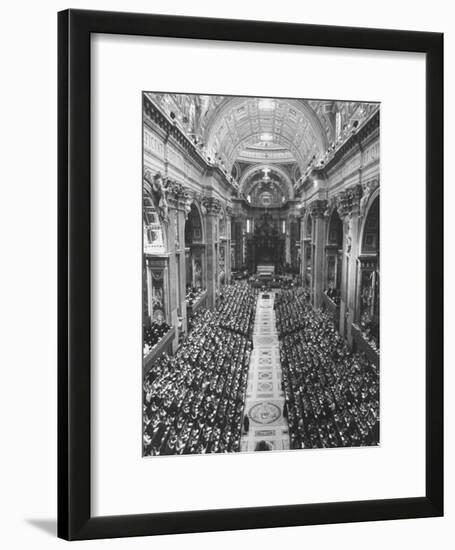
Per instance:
(248,134)
(267,126)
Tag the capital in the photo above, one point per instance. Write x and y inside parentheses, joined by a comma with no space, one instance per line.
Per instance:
(211,205)
(317,208)
(348,201)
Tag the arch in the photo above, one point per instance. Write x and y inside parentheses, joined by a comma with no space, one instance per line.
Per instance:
(274,168)
(335,229)
(308,226)
(194,227)
(370,232)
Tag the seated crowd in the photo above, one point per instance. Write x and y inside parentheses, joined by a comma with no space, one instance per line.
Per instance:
(193,293)
(236,307)
(333,294)
(153,334)
(331,393)
(370,331)
(193,401)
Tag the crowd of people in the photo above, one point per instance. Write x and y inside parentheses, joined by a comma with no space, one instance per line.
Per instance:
(193,401)
(333,294)
(192,294)
(236,307)
(152,335)
(331,393)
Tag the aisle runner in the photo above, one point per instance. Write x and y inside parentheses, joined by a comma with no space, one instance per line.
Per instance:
(265,399)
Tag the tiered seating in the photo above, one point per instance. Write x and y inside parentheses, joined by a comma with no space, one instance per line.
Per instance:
(332,394)
(193,401)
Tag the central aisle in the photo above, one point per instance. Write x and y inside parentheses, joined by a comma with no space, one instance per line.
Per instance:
(265,398)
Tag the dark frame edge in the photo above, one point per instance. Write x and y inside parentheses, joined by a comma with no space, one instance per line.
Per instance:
(62,192)
(434,450)
(74,249)
(255,518)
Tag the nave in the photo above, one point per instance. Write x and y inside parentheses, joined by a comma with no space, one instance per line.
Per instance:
(261,273)
(264,405)
(264,371)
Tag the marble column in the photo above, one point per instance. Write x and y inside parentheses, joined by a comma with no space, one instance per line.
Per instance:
(212,208)
(177,265)
(317,209)
(173,276)
(302,249)
(287,241)
(181,220)
(348,202)
(227,257)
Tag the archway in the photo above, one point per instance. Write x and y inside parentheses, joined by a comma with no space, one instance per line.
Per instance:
(194,254)
(334,257)
(369,287)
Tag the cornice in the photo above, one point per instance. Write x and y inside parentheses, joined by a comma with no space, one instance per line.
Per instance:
(153,114)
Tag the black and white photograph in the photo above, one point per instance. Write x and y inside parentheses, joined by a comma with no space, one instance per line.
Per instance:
(261,274)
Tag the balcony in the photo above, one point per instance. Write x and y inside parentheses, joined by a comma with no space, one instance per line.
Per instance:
(163,345)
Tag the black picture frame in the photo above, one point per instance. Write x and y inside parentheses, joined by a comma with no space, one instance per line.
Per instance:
(74,248)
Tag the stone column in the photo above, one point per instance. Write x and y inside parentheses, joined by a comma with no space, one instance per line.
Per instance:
(181,212)
(212,207)
(317,209)
(173,277)
(227,257)
(177,261)
(302,252)
(148,275)
(287,241)
(348,202)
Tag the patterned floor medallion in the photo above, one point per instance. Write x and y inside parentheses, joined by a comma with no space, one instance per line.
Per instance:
(265,413)
(265,341)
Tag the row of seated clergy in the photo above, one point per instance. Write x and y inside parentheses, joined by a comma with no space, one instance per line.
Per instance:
(332,394)
(193,401)
(153,334)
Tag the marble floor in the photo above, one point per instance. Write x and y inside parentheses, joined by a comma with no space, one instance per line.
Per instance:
(264,398)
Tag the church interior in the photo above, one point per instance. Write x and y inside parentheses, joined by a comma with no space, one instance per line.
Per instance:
(261,274)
